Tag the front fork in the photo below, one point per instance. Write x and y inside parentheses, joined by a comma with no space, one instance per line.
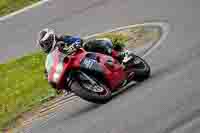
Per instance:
(71,77)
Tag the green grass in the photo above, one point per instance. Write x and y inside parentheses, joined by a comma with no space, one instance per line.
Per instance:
(8,6)
(22,86)
(133,37)
(116,38)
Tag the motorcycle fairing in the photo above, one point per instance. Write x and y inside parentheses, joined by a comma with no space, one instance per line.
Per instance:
(55,65)
(103,68)
(90,66)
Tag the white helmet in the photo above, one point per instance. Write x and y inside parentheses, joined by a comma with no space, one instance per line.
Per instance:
(46,40)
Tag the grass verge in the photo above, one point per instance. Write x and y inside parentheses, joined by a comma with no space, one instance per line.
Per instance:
(133,37)
(9,6)
(22,85)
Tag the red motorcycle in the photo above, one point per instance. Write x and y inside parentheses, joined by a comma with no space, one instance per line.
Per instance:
(94,77)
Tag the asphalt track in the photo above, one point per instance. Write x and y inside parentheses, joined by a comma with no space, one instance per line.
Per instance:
(167,102)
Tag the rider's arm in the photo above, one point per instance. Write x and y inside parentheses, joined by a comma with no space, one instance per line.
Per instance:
(70,40)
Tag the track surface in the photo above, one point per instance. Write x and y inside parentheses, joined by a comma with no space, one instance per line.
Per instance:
(162,104)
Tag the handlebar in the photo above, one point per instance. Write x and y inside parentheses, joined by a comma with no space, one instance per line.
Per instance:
(71,49)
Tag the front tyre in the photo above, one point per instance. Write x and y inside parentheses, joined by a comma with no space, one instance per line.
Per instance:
(92,91)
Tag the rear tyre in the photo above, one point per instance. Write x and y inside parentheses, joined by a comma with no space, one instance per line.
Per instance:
(99,93)
(140,67)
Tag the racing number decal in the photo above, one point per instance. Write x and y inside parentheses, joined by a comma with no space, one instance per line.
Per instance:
(88,63)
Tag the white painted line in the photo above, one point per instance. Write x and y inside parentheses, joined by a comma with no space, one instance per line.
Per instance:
(23,10)
(165,30)
(163,25)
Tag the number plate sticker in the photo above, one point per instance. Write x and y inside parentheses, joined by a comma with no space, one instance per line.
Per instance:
(88,63)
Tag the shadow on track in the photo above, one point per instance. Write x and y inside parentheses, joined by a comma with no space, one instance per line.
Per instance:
(81,111)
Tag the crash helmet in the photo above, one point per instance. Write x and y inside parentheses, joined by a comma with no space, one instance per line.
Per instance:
(47,40)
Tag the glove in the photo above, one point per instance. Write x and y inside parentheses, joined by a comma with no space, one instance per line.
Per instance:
(69,50)
(77,44)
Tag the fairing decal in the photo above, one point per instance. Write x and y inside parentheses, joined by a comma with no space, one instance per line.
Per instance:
(54,65)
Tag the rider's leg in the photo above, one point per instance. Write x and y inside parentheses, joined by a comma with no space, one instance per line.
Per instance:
(97,46)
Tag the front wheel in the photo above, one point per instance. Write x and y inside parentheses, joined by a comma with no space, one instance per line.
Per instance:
(92,91)
(140,67)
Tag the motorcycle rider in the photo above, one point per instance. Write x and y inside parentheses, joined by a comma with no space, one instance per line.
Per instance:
(48,41)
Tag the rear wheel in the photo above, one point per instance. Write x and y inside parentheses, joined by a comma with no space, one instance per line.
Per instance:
(140,68)
(92,91)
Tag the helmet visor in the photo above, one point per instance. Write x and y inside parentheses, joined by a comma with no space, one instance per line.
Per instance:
(48,43)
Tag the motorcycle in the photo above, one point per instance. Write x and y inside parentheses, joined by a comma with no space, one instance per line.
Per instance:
(94,77)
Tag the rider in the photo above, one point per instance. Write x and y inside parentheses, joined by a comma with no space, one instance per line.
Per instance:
(48,40)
